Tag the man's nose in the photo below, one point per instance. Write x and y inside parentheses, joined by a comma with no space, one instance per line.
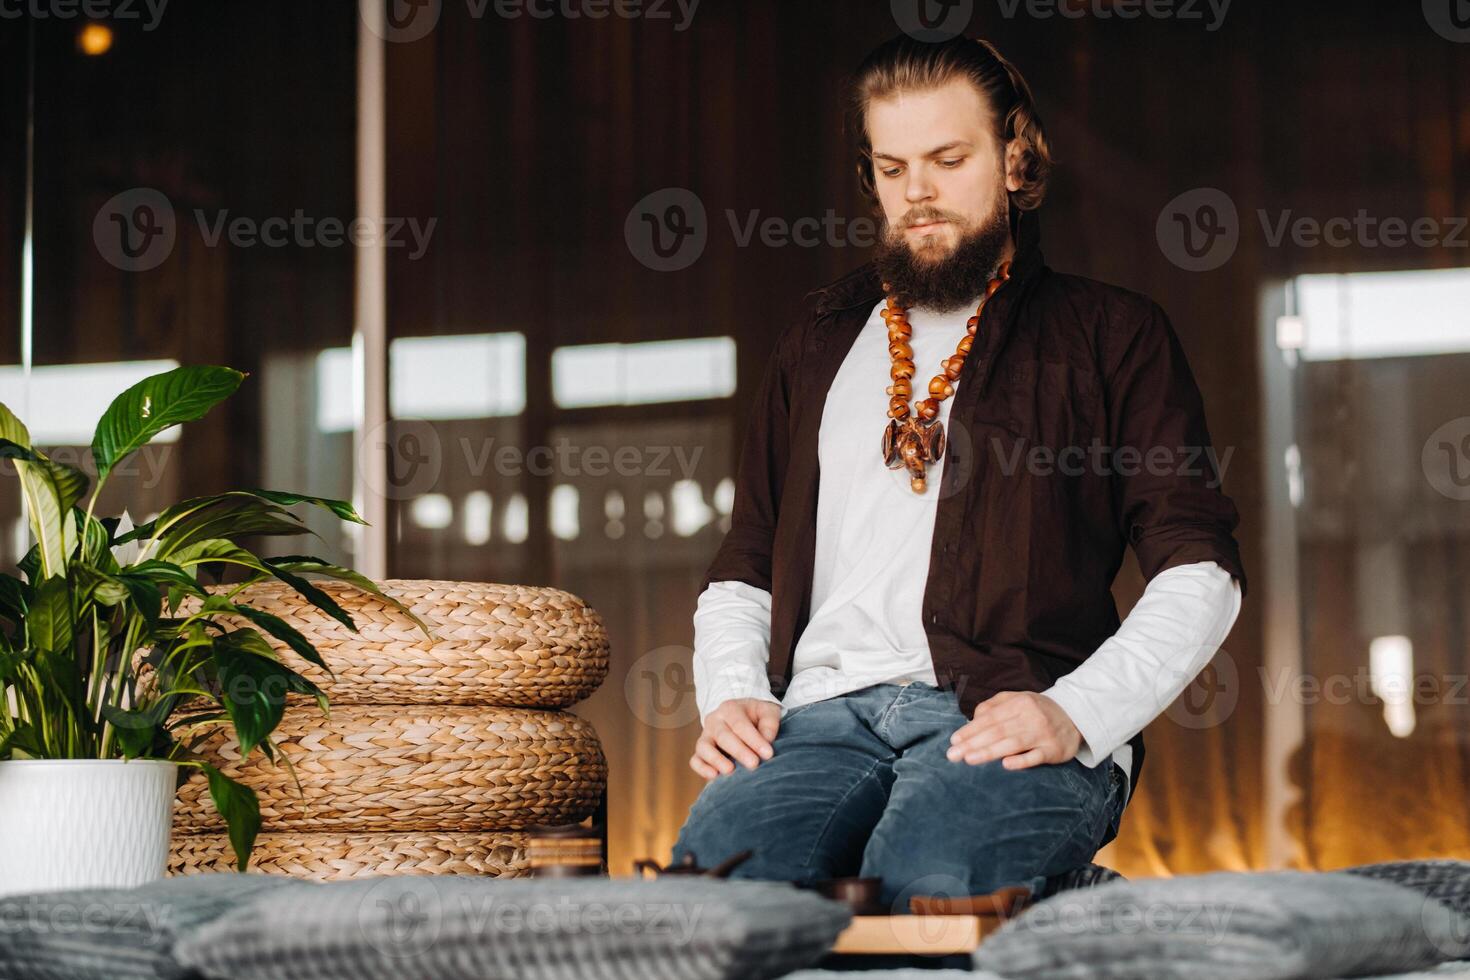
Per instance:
(919,187)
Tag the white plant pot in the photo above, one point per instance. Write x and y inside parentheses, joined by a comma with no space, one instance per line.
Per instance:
(84,823)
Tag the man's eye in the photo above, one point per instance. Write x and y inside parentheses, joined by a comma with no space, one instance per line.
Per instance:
(891,171)
(952,163)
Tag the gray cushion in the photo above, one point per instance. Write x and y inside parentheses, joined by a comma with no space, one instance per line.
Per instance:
(116,934)
(1228,925)
(454,926)
(1444,879)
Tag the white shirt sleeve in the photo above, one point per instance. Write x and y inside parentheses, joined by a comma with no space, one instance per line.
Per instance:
(732,645)
(1173,632)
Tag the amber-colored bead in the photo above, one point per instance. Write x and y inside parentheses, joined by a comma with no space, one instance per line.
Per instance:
(940,388)
(900,351)
(966,343)
(952,366)
(972,323)
(898,407)
(902,369)
(928,408)
(903,388)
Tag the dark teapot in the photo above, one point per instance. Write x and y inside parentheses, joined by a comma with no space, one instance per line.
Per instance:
(688,866)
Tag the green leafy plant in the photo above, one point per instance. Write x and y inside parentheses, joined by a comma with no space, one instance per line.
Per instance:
(100,659)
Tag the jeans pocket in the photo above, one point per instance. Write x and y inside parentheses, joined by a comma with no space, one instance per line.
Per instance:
(1098,788)
(1118,786)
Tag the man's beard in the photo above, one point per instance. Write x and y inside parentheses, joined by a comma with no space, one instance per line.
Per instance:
(956,280)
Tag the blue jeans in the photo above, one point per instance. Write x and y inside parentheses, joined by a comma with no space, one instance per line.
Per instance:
(859,785)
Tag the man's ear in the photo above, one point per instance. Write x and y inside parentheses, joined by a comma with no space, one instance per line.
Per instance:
(1015,155)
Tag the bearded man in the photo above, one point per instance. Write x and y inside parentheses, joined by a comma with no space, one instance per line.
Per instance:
(908,661)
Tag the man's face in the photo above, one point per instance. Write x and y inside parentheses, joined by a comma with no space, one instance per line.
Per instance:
(937,167)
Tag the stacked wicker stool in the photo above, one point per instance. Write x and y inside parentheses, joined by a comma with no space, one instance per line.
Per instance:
(437,756)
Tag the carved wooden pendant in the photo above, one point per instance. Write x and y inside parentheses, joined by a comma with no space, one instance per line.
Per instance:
(913,444)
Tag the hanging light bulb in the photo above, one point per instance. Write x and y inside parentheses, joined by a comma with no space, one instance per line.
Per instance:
(94,39)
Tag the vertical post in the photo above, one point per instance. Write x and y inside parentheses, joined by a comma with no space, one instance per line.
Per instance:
(27,248)
(370,330)
(1284,722)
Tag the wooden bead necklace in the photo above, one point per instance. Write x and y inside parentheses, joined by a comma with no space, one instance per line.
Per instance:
(915,442)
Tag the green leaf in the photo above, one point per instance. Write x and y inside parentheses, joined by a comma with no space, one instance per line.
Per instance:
(49,489)
(13,429)
(49,623)
(228,515)
(311,593)
(254,686)
(95,550)
(157,403)
(283,631)
(233,514)
(144,592)
(95,584)
(21,742)
(215,549)
(240,807)
(15,597)
(30,564)
(138,730)
(313,565)
(341,508)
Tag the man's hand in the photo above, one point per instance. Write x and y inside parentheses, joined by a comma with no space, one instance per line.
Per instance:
(739,729)
(1021,727)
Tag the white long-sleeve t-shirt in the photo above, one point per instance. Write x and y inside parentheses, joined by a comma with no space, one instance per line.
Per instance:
(873,544)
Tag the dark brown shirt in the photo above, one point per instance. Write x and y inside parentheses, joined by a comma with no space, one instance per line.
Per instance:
(1077,428)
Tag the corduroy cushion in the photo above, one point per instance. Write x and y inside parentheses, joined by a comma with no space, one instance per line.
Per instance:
(118,933)
(451,927)
(1228,925)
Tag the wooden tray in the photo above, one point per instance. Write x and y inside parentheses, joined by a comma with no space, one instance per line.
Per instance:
(922,935)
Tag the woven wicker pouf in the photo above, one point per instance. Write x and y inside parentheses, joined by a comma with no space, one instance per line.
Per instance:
(329,856)
(512,645)
(436,755)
